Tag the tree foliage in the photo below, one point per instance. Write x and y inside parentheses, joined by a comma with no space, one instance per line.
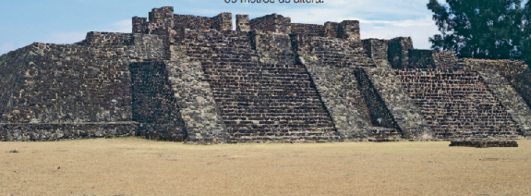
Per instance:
(493,29)
(526,38)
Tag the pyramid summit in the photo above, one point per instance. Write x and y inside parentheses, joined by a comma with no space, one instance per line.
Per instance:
(195,79)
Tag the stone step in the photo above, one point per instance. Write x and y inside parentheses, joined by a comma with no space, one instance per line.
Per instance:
(291,125)
(281,130)
(457,103)
(272,96)
(270,100)
(256,104)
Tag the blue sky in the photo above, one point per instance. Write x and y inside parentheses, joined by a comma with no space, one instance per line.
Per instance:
(67,21)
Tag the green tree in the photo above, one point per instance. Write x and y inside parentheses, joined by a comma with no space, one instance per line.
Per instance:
(526,38)
(493,29)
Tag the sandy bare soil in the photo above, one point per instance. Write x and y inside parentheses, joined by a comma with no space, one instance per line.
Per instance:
(140,167)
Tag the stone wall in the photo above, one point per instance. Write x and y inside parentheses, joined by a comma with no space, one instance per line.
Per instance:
(509,82)
(81,82)
(333,51)
(261,97)
(420,59)
(222,22)
(56,131)
(349,92)
(510,99)
(66,86)
(62,131)
(516,72)
(349,29)
(183,77)
(457,104)
(139,24)
(153,100)
(339,91)
(242,23)
(341,95)
(377,109)
(308,29)
(331,29)
(484,144)
(272,23)
(444,60)
(162,15)
(192,22)
(100,39)
(199,111)
(154,106)
(193,94)
(74,84)
(522,84)
(161,20)
(376,48)
(403,116)
(398,52)
(137,47)
(14,66)
(272,48)
(336,83)
(409,118)
(432,59)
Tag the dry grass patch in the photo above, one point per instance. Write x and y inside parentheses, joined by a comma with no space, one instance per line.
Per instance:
(141,167)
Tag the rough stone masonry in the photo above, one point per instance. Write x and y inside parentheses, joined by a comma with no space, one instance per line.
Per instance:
(195,79)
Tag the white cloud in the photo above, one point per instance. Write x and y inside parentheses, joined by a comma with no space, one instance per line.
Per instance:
(380,19)
(123,26)
(65,37)
(419,30)
(403,23)
(420,34)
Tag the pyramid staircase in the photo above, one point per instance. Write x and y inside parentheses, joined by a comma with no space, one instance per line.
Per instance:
(457,103)
(259,101)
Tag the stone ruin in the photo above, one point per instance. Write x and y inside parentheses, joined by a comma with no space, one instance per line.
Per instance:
(195,79)
(484,143)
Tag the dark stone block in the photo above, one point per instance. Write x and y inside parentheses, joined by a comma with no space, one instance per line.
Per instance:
(378,112)
(484,144)
(398,52)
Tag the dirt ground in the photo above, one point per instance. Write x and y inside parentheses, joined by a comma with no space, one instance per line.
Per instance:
(134,166)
